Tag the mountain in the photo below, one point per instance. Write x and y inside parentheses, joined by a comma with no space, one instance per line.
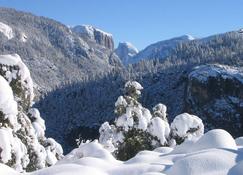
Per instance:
(85,105)
(54,51)
(126,51)
(160,49)
(80,76)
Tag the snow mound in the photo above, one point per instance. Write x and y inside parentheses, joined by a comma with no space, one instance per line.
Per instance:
(6,30)
(163,150)
(213,161)
(211,154)
(23,72)
(93,149)
(6,170)
(68,169)
(216,138)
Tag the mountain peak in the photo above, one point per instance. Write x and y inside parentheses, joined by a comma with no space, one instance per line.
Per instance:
(99,36)
(125,51)
(189,37)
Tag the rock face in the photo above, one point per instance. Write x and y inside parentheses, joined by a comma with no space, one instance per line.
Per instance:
(215,93)
(92,33)
(126,51)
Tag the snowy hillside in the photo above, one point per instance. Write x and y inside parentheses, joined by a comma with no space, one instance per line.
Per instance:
(160,49)
(52,50)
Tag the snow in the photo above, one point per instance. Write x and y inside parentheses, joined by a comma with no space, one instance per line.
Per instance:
(6,170)
(53,151)
(160,111)
(214,153)
(213,161)
(23,37)
(190,37)
(9,145)
(161,49)
(6,30)
(130,47)
(239,141)
(125,121)
(8,106)
(160,129)
(121,101)
(89,31)
(134,84)
(37,122)
(5,144)
(24,73)
(125,51)
(203,72)
(68,169)
(92,149)
(217,138)
(85,29)
(187,126)
(237,169)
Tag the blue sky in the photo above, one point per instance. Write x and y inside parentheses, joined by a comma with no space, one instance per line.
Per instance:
(141,22)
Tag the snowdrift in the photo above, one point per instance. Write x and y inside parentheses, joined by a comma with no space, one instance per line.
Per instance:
(216,152)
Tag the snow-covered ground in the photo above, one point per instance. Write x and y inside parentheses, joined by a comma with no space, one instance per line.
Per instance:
(215,153)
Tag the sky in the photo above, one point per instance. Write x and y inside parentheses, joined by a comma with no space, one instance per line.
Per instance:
(141,22)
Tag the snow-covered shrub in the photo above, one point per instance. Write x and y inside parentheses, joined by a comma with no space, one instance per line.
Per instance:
(186,127)
(160,111)
(23,144)
(135,128)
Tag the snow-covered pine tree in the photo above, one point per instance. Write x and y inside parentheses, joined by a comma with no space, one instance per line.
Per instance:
(22,130)
(135,128)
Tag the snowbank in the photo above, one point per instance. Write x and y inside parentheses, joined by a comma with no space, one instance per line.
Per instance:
(213,153)
(213,161)
(5,170)
(216,138)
